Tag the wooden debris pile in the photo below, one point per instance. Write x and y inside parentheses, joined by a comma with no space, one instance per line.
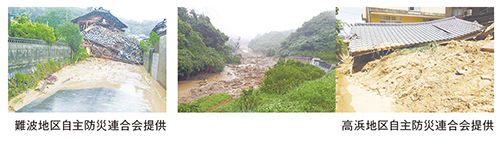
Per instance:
(109,44)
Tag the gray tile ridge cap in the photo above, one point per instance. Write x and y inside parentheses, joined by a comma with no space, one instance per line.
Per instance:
(412,24)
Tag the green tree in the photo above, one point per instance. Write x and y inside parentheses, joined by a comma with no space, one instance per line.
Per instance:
(341,46)
(55,16)
(69,33)
(21,27)
(154,39)
(202,47)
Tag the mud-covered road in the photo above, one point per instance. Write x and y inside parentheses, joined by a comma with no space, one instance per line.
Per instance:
(354,98)
(232,80)
(76,85)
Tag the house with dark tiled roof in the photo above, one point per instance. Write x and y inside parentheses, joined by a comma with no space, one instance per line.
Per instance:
(371,37)
(101,17)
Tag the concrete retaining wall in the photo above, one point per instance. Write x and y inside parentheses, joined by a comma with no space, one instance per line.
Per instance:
(24,54)
(156,61)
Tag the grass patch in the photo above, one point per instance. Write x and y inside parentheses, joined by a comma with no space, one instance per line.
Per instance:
(287,74)
(311,96)
(203,104)
(22,82)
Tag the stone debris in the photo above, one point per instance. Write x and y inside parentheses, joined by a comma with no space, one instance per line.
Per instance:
(112,45)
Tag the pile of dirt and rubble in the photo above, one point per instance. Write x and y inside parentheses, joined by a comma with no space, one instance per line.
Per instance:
(113,45)
(249,73)
(458,77)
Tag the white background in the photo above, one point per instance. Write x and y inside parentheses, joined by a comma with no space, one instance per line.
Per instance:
(233,127)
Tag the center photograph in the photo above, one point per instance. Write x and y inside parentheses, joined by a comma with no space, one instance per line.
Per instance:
(238,60)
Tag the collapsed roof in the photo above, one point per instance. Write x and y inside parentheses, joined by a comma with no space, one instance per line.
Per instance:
(371,37)
(160,28)
(113,45)
(99,16)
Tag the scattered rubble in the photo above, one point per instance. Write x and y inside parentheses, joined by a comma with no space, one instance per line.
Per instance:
(103,37)
(249,73)
(458,77)
(112,45)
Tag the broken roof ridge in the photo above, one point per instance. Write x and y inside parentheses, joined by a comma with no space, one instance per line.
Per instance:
(101,10)
(411,24)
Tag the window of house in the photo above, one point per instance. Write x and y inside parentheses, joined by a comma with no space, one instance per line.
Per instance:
(390,19)
(457,11)
(414,9)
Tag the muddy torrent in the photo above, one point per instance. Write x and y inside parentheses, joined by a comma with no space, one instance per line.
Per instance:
(232,80)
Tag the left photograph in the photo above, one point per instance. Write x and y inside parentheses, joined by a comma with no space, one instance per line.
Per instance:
(85,59)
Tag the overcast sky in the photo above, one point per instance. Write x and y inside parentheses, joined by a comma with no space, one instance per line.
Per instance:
(138,14)
(248,21)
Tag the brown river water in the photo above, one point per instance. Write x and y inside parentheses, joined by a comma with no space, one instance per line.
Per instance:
(235,77)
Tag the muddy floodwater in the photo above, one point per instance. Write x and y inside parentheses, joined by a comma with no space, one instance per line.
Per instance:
(235,77)
(109,86)
(205,78)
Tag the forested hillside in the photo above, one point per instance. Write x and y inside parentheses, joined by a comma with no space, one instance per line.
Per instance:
(315,38)
(268,43)
(201,47)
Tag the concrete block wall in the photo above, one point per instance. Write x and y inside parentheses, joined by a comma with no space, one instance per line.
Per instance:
(156,62)
(24,54)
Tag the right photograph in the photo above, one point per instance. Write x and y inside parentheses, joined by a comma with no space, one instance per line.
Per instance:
(415,59)
(239,59)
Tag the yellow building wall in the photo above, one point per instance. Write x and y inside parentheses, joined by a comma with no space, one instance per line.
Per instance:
(375,18)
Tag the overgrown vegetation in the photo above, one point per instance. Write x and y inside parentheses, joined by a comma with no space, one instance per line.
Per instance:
(69,33)
(22,82)
(203,104)
(21,27)
(311,96)
(201,47)
(316,38)
(153,41)
(80,55)
(287,74)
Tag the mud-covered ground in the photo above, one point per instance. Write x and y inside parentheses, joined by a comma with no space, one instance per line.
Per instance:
(458,77)
(232,80)
(96,72)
